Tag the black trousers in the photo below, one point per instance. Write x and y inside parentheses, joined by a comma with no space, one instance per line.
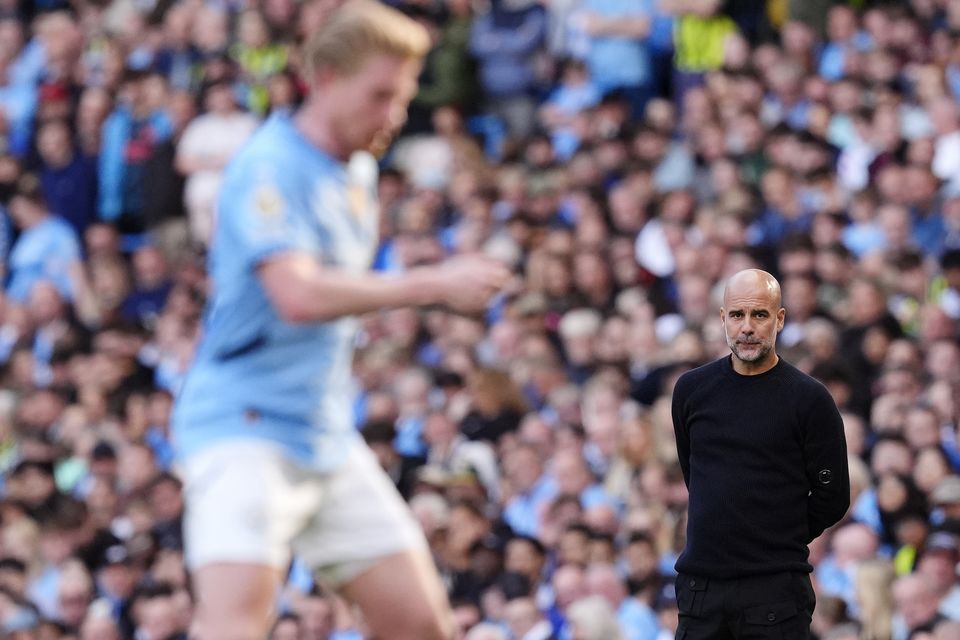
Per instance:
(776,607)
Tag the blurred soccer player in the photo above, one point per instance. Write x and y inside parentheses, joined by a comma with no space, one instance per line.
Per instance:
(271,461)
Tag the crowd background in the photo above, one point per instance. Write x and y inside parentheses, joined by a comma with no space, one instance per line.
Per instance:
(623,157)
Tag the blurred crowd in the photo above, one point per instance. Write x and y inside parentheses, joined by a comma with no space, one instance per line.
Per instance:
(623,157)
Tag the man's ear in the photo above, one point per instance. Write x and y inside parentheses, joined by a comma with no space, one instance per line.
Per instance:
(323,75)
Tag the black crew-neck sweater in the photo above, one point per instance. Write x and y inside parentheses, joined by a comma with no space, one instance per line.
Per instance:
(765,461)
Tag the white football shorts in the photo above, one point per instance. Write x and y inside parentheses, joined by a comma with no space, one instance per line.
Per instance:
(247,502)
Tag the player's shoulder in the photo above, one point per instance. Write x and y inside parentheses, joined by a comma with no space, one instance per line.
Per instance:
(271,147)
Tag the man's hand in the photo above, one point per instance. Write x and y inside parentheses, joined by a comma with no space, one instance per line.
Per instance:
(466,283)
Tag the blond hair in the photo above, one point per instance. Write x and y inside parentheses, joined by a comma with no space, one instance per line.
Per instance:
(359,29)
(872,587)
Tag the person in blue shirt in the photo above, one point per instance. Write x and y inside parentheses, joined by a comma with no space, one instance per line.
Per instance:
(131,135)
(263,426)
(618,57)
(46,249)
(504,40)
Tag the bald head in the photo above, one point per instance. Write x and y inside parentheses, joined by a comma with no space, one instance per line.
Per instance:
(753,282)
(752,317)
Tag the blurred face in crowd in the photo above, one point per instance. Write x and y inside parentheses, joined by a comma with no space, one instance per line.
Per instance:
(867,302)
(922,428)
(176,25)
(166,501)
(891,456)
(282,91)
(210,29)
(99,628)
(253,29)
(316,618)
(915,599)
(521,616)
(219,99)
(523,467)
(73,607)
(286,629)
(137,467)
(149,267)
(26,212)
(523,558)
(118,579)
(101,240)
(931,467)
(46,303)
(568,585)
(571,472)
(54,143)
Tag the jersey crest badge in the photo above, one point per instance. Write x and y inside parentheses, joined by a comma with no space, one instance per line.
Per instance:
(267,201)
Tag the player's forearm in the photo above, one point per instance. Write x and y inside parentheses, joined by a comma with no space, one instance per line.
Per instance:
(340,294)
(304,293)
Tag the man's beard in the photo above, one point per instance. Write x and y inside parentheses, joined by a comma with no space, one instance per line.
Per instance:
(762,352)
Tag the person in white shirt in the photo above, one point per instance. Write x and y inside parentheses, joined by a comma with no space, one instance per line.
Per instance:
(207,145)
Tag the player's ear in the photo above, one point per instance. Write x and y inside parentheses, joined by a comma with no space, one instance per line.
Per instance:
(322,75)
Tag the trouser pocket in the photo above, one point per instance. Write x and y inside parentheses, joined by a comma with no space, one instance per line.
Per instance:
(774,621)
(691,591)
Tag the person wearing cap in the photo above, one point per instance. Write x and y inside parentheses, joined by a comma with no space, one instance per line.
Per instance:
(763,454)
(116,581)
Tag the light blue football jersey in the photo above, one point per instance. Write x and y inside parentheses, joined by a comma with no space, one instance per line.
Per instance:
(255,375)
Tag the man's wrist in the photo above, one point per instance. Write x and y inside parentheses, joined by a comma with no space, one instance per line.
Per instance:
(421,286)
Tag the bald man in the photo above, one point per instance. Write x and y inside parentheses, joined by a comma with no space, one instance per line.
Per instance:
(763,455)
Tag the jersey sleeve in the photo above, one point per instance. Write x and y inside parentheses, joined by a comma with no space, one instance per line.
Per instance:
(263,211)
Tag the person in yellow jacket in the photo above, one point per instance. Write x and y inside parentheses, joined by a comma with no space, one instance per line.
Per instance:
(700,34)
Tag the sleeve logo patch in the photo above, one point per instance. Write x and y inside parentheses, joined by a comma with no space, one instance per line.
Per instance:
(267,201)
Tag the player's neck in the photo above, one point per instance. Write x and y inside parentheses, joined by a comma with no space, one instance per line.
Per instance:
(318,130)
